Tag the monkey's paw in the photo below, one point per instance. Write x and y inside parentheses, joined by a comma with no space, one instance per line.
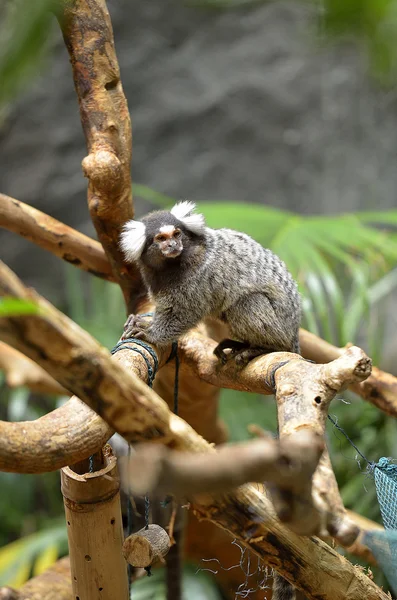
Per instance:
(137,327)
(244,357)
(233,345)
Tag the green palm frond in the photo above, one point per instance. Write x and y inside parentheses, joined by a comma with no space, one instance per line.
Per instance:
(24,35)
(336,260)
(32,554)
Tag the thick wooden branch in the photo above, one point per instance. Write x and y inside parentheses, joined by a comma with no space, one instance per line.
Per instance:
(57,344)
(54,584)
(21,371)
(303,393)
(65,436)
(88,35)
(159,470)
(56,237)
(77,361)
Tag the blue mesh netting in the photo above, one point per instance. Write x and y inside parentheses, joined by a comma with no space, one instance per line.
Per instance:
(384,543)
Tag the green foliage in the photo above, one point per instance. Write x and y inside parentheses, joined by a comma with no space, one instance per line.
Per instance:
(32,554)
(373,23)
(23,39)
(10,307)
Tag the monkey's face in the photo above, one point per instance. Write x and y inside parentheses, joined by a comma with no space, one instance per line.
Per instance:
(168,241)
(163,235)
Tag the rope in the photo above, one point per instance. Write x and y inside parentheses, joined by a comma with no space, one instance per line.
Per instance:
(339,428)
(124,345)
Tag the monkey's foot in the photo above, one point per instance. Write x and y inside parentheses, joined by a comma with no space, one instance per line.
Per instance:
(243,358)
(135,327)
(233,345)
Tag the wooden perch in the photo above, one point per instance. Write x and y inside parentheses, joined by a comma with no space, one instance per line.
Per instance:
(95,531)
(147,546)
(21,371)
(56,237)
(88,35)
(71,356)
(159,470)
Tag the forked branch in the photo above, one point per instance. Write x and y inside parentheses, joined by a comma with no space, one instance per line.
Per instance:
(129,406)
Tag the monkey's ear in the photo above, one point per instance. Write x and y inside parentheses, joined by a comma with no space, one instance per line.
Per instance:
(183,211)
(132,240)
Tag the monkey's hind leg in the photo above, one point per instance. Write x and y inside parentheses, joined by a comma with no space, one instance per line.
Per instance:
(227,344)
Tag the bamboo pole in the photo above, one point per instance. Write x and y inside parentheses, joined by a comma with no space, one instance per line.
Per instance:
(95,534)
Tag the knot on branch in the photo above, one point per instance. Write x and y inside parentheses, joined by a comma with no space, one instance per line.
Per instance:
(103,169)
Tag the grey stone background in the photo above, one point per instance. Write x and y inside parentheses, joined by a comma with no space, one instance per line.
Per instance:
(230,105)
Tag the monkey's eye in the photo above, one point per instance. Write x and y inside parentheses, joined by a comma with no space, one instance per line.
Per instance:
(160,238)
(177,233)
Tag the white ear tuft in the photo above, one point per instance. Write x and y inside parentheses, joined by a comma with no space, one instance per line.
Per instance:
(183,209)
(132,240)
(194,223)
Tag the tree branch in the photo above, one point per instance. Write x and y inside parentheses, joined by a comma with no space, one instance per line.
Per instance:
(56,237)
(21,371)
(379,389)
(88,35)
(159,470)
(133,409)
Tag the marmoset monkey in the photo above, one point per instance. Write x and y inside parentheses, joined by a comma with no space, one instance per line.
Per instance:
(193,272)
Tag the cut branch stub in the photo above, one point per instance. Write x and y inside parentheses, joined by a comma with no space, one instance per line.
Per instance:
(147,546)
(88,35)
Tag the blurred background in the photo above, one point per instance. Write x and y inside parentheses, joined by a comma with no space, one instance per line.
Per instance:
(279,119)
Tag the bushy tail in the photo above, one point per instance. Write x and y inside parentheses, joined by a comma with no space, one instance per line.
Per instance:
(282,589)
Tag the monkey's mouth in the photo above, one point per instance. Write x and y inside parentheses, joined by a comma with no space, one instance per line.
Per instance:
(172,252)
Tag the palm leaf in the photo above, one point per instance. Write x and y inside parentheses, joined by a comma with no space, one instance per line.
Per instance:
(18,558)
(23,40)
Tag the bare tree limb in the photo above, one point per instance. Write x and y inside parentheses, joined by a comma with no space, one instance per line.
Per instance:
(88,35)
(56,237)
(21,371)
(136,411)
(159,470)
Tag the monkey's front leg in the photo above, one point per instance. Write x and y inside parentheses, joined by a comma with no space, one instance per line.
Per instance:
(165,328)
